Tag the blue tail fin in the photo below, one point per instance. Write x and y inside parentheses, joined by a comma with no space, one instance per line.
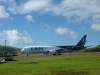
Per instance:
(82,41)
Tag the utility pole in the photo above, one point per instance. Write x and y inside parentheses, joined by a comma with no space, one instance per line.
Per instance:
(5,47)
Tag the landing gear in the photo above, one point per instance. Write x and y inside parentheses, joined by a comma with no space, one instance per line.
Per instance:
(28,54)
(55,54)
(59,53)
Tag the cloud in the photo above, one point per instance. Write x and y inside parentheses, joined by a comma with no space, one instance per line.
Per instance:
(95,27)
(29,18)
(64,31)
(72,10)
(45,26)
(73,34)
(76,10)
(14,37)
(29,6)
(3,13)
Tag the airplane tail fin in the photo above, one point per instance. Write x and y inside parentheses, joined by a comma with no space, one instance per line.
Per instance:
(82,41)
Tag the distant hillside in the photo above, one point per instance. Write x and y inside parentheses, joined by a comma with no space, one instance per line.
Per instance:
(94,49)
(8,48)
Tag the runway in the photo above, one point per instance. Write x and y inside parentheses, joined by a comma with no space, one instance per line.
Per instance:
(31,56)
(54,56)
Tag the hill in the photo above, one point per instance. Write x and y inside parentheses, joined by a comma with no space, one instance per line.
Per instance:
(9,49)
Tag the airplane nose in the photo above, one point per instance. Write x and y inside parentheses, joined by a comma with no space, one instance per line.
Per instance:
(22,50)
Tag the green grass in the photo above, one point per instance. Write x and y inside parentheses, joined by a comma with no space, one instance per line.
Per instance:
(78,65)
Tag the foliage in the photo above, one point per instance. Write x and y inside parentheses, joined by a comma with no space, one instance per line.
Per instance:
(8,58)
(94,49)
(8,48)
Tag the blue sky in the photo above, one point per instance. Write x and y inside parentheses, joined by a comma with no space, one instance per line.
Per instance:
(49,22)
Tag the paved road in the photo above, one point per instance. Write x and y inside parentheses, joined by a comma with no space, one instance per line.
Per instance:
(50,56)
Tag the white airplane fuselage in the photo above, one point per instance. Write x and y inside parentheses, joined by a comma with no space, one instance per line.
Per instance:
(39,49)
(55,49)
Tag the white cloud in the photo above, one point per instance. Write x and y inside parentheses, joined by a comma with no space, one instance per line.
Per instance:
(73,34)
(72,10)
(76,10)
(3,13)
(14,37)
(63,31)
(29,18)
(45,26)
(29,6)
(96,27)
(79,10)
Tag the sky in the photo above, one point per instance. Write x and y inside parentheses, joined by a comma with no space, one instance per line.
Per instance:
(49,22)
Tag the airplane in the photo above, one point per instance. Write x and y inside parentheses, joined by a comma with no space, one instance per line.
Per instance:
(55,50)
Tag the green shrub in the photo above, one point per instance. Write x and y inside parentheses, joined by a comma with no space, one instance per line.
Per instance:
(8,58)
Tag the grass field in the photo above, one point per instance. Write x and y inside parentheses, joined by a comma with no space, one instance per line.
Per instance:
(77,65)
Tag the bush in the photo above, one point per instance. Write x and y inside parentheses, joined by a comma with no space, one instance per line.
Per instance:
(8,58)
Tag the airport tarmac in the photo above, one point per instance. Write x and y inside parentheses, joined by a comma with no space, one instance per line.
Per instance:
(50,56)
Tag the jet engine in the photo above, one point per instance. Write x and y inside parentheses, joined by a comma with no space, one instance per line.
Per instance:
(52,52)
